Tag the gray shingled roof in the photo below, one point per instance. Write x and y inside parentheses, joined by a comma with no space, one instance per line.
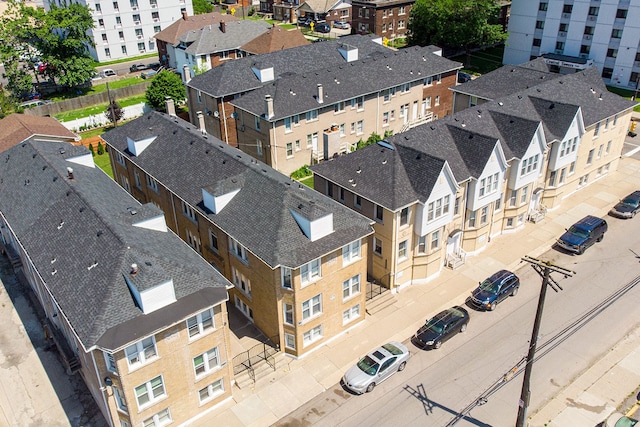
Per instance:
(294,94)
(236,76)
(259,216)
(211,38)
(80,237)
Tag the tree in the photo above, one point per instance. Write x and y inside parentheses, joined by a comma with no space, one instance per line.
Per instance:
(455,24)
(202,6)
(114,113)
(165,83)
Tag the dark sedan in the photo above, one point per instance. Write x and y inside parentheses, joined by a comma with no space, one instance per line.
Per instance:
(323,28)
(628,207)
(441,327)
(495,289)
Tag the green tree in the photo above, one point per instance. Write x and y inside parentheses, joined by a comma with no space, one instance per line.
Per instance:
(93,151)
(373,138)
(114,113)
(165,83)
(202,6)
(15,51)
(100,148)
(455,24)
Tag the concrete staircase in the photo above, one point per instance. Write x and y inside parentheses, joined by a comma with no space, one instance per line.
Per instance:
(262,371)
(380,302)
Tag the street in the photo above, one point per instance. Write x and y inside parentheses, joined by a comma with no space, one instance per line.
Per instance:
(438,384)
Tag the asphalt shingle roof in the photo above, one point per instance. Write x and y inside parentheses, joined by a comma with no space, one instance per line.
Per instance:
(79,234)
(16,128)
(259,215)
(211,39)
(275,39)
(172,33)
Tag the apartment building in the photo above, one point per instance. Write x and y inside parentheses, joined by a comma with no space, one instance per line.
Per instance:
(130,307)
(444,190)
(300,119)
(385,18)
(126,28)
(602,31)
(212,92)
(296,258)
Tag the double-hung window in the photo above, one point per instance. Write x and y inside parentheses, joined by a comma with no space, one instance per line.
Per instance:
(150,391)
(188,212)
(288,313)
(212,390)
(287,279)
(152,184)
(404,216)
(141,352)
(200,323)
(241,281)
(311,115)
(351,287)
(402,250)
(237,249)
(206,362)
(312,307)
(350,252)
(160,419)
(310,272)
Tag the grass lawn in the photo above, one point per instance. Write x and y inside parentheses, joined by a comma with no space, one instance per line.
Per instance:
(102,161)
(308,181)
(118,61)
(98,109)
(94,132)
(482,61)
(625,93)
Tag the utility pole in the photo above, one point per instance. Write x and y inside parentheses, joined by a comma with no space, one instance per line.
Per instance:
(544,269)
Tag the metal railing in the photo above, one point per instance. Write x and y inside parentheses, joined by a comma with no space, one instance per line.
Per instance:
(248,360)
(374,288)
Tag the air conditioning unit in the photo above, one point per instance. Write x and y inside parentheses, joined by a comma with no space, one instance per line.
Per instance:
(154,5)
(134,8)
(566,15)
(137,23)
(140,37)
(587,37)
(562,34)
(592,18)
(156,19)
(142,51)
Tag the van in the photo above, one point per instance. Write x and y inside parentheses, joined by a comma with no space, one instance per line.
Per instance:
(583,234)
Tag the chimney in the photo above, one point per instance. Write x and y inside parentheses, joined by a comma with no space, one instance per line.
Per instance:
(320,96)
(184,15)
(171,108)
(201,122)
(134,269)
(223,26)
(268,106)
(70,173)
(187,73)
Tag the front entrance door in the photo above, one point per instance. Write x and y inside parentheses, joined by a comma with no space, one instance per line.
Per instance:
(453,243)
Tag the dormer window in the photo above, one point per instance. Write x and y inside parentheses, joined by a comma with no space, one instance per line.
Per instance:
(488,185)
(438,208)
(529,165)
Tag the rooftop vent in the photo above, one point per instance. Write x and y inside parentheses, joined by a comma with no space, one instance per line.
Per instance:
(70,173)
(134,269)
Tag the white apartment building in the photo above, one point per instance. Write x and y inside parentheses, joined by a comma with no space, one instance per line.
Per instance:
(126,28)
(605,31)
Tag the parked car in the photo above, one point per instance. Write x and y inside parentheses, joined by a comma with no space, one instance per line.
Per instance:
(305,21)
(376,367)
(34,103)
(155,66)
(494,289)
(138,67)
(108,72)
(463,77)
(628,207)
(323,28)
(343,25)
(583,234)
(441,327)
(148,73)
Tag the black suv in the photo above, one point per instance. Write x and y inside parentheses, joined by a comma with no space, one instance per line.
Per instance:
(583,234)
(441,327)
(494,289)
(628,207)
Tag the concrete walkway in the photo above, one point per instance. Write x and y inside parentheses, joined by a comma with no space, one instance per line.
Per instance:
(295,382)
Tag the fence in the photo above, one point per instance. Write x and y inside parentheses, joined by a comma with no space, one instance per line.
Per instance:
(101,119)
(246,361)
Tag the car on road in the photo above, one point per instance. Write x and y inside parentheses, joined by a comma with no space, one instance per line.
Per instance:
(628,207)
(323,28)
(155,66)
(463,77)
(34,103)
(441,328)
(583,234)
(494,290)
(342,25)
(138,67)
(149,73)
(305,21)
(108,72)
(376,367)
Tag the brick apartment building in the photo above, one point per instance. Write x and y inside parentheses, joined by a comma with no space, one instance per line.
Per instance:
(296,258)
(384,18)
(130,307)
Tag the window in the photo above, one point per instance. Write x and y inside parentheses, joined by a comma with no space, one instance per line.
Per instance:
(590,157)
(572,168)
(498,205)
(341,129)
(152,184)
(194,241)
(379,213)
(593,11)
(141,47)
(141,352)
(259,147)
(104,38)
(567,8)
(158,420)
(358,103)
(310,272)
(377,246)
(616,33)
(297,145)
(288,125)
(513,197)
(214,389)
(188,212)
(118,21)
(350,314)
(385,118)
(313,334)
(351,287)
(98,7)
(559,45)
(524,194)
(427,102)
(339,107)
(312,140)
(150,391)
(110,362)
(206,362)
(341,194)
(456,206)
(289,150)
(483,215)
(241,281)
(119,399)
(123,48)
(608,149)
(237,249)
(350,252)
(437,100)
(607,73)
(287,278)
(564,27)
(115,5)
(404,216)
(312,307)
(539,25)
(600,150)
(472,219)
(360,127)
(311,115)
(438,208)
(488,185)
(257,122)
(213,241)
(529,165)
(435,240)
(139,33)
(200,323)
(402,250)
(543,6)
(290,341)
(612,53)
(563,175)
(428,81)
(157,28)
(589,31)
(621,13)
(288,313)
(155,16)
(107,52)
(422,244)
(357,200)
(401,24)
(584,49)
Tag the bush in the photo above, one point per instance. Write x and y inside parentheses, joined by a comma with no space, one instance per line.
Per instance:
(100,148)
(252,11)
(93,153)
(303,172)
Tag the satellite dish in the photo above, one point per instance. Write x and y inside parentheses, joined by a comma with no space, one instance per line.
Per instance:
(216,114)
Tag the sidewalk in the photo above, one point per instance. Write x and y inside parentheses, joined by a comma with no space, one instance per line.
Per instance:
(297,381)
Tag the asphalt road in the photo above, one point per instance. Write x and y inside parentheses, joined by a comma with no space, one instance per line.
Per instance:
(438,384)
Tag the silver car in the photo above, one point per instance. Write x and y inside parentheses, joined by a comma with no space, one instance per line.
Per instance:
(376,367)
